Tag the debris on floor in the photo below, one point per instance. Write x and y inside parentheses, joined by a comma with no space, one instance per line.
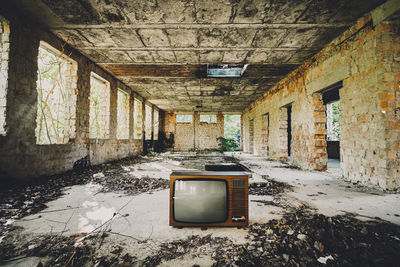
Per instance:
(59,251)
(307,239)
(20,200)
(271,187)
(301,236)
(118,181)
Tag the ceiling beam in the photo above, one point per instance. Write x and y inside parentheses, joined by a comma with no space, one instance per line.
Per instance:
(205,49)
(194,71)
(203,26)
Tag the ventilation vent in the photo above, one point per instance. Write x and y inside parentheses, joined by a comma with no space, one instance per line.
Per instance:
(238,182)
(225,71)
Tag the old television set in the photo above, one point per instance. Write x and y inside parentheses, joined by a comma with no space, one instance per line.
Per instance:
(209,198)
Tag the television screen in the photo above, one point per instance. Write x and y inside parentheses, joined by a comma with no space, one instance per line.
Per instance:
(200,201)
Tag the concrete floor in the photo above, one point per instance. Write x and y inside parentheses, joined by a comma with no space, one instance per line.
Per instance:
(140,223)
(327,192)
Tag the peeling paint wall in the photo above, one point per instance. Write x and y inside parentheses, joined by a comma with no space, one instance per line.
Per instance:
(367,60)
(20,156)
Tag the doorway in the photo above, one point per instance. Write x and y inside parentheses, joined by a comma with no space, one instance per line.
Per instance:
(232,126)
(331,99)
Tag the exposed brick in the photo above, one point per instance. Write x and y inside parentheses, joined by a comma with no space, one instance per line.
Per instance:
(368,104)
(20,156)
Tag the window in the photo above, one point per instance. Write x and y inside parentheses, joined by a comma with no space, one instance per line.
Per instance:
(147,122)
(184,118)
(208,118)
(122,115)
(137,119)
(156,111)
(99,116)
(56,99)
(4,55)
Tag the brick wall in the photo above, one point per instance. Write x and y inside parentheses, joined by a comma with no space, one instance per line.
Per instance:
(20,156)
(207,133)
(184,133)
(189,135)
(367,59)
(390,58)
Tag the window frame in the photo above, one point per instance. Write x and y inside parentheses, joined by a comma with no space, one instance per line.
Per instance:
(209,121)
(98,78)
(126,123)
(184,122)
(137,118)
(70,81)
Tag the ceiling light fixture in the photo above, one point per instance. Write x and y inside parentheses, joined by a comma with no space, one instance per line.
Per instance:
(225,70)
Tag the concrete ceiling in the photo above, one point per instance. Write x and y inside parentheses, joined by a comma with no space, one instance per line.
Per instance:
(161,47)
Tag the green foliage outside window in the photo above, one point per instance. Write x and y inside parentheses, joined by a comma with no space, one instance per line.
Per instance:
(227,144)
(99,108)
(232,127)
(122,115)
(184,118)
(333,116)
(56,105)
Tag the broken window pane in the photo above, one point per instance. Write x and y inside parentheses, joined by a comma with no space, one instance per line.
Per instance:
(122,115)
(184,118)
(156,124)
(208,118)
(137,119)
(99,124)
(332,121)
(4,55)
(56,88)
(148,122)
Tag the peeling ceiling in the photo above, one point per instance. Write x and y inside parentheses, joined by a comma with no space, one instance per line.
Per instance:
(160,48)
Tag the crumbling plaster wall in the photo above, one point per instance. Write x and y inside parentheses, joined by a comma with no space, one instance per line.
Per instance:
(366,58)
(20,157)
(196,135)
(207,133)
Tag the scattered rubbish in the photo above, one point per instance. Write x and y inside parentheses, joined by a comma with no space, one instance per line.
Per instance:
(338,236)
(286,166)
(302,237)
(131,185)
(271,187)
(265,202)
(98,175)
(323,260)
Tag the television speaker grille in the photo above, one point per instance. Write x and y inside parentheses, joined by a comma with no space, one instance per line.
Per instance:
(238,201)
(238,182)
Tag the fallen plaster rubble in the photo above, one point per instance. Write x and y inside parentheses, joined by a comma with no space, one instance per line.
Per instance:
(116,214)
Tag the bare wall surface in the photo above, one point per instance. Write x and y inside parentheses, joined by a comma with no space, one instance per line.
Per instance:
(196,135)
(367,60)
